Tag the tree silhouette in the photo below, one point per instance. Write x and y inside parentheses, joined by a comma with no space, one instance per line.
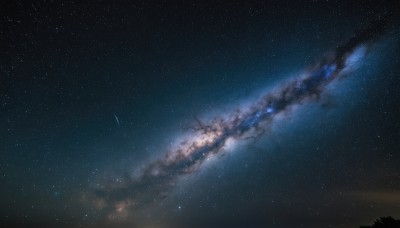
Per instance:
(384,222)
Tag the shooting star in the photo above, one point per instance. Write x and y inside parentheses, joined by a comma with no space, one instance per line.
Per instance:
(116,119)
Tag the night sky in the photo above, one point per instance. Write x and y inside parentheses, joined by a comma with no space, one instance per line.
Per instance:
(199,113)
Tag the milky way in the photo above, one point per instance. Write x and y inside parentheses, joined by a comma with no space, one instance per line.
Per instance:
(211,138)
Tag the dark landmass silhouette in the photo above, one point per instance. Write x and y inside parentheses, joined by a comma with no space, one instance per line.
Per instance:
(384,222)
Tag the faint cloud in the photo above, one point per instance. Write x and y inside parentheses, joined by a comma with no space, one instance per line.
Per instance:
(386,197)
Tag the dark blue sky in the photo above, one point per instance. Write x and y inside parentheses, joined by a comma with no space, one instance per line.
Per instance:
(66,68)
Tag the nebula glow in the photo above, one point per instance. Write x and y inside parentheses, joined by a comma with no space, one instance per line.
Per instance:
(212,138)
